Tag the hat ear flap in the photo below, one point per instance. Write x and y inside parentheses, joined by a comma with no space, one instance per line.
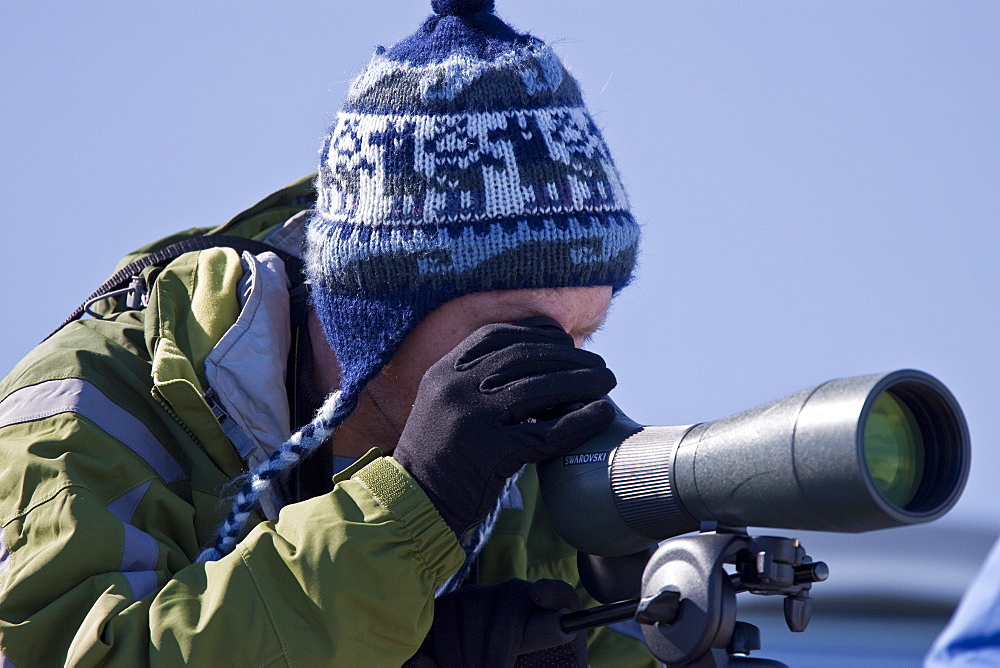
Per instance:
(365,331)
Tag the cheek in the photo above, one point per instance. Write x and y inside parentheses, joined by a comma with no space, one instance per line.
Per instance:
(428,343)
(418,353)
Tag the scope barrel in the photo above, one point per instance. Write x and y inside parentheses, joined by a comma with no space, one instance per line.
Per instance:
(850,455)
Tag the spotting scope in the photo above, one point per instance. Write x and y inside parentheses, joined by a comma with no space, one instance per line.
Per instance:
(850,455)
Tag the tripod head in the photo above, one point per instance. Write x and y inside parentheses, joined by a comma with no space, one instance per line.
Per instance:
(702,630)
(687,607)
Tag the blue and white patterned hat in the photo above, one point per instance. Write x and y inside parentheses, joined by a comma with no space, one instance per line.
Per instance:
(463,161)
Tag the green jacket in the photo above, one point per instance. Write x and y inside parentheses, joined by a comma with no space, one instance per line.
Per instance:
(115,470)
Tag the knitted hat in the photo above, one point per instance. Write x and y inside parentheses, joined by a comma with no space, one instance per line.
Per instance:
(463,161)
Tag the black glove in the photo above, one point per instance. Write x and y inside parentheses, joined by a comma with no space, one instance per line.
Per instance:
(483,625)
(509,395)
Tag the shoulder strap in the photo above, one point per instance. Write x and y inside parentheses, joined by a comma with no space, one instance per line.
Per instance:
(124,276)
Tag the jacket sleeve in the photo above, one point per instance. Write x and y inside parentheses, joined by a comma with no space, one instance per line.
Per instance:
(972,637)
(347,577)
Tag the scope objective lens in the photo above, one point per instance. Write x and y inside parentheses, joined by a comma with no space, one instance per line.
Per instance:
(894,449)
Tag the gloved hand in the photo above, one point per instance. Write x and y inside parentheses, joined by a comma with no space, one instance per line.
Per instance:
(483,625)
(509,395)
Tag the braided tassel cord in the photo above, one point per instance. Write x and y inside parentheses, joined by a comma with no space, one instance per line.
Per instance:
(298,447)
(474,544)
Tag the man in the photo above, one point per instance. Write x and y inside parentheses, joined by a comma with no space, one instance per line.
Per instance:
(468,233)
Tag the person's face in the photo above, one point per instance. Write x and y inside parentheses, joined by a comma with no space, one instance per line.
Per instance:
(386,402)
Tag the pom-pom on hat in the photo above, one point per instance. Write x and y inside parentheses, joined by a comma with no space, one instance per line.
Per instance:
(461,7)
(463,160)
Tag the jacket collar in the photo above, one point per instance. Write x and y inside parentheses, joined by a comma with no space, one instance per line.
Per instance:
(220,320)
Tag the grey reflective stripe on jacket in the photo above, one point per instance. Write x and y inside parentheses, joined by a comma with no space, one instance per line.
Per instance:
(74,395)
(139,552)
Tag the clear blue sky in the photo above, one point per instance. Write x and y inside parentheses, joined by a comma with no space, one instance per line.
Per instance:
(818,181)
